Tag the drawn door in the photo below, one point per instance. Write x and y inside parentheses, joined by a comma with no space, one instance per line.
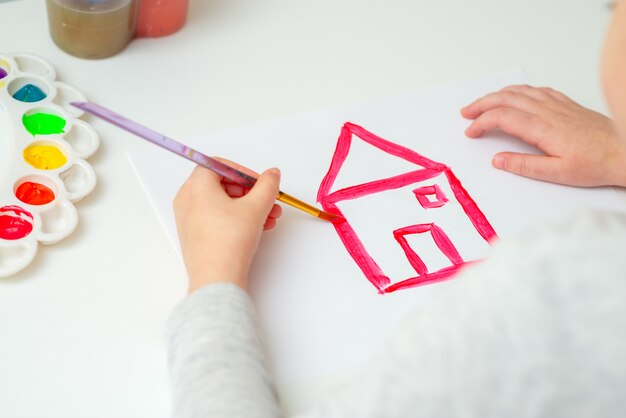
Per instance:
(442,244)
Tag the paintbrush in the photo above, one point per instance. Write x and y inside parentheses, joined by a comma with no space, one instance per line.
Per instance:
(197,157)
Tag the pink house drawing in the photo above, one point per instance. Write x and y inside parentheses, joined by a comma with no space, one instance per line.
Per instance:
(427,196)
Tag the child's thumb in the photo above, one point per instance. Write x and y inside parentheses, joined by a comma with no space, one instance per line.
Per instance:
(266,189)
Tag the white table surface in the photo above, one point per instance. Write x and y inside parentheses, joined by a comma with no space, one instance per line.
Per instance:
(81,329)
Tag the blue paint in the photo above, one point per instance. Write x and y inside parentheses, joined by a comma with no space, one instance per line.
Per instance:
(3,73)
(29,93)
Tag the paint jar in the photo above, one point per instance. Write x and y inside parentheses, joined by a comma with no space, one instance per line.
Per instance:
(161,17)
(92,28)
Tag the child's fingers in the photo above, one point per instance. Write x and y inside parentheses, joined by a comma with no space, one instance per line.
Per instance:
(534,166)
(500,99)
(512,121)
(207,180)
(269,224)
(536,93)
(558,95)
(265,191)
(272,218)
(234,190)
(541,94)
(276,211)
(238,167)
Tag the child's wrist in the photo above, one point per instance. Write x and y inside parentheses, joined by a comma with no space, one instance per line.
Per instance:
(236,276)
(200,283)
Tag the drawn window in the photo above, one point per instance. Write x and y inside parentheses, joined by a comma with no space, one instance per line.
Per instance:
(430,196)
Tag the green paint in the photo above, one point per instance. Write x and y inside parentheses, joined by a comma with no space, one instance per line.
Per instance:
(43,124)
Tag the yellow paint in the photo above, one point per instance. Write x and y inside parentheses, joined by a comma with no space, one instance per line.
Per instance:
(44,157)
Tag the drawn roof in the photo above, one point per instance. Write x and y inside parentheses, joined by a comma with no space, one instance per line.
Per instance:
(426,168)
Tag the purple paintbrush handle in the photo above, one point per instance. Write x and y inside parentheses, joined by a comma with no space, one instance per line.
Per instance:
(169,144)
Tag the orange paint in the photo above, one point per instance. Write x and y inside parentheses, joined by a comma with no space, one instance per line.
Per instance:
(34,193)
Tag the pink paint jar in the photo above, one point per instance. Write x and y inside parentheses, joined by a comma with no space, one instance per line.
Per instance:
(160,17)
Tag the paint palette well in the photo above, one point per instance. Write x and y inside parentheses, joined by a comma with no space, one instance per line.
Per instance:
(43,148)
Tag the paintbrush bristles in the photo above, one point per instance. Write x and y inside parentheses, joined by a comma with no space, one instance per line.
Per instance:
(327,216)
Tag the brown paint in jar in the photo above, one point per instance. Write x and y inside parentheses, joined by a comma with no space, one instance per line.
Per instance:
(92,28)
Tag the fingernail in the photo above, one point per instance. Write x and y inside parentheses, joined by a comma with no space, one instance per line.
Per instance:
(274,172)
(499,162)
(470,132)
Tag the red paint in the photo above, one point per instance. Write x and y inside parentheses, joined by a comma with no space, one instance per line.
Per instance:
(431,278)
(389,183)
(470,207)
(34,193)
(357,251)
(422,194)
(439,237)
(414,259)
(427,169)
(15,223)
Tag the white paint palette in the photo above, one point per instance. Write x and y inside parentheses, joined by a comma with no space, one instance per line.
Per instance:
(43,148)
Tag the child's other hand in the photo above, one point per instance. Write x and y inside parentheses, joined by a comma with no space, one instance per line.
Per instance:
(582,147)
(220,224)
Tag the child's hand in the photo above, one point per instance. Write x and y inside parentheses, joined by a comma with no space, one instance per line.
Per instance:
(220,223)
(582,147)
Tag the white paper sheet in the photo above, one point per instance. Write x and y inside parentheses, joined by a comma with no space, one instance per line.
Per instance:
(318,311)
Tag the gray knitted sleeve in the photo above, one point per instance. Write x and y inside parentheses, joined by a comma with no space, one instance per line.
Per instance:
(217,367)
